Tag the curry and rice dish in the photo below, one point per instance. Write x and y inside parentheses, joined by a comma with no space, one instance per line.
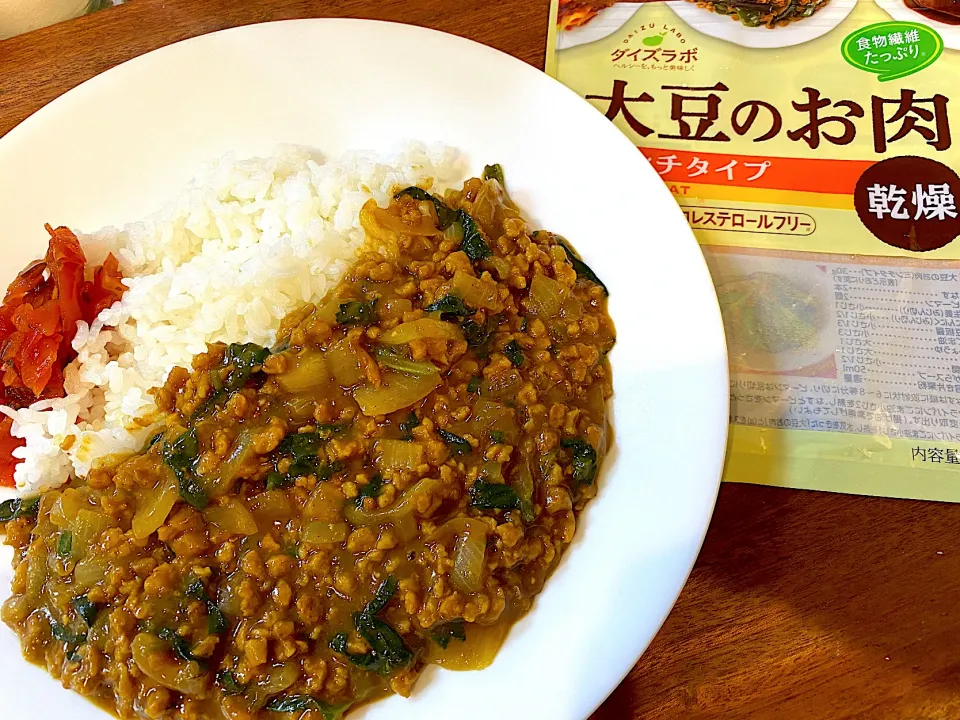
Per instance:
(388,485)
(764,13)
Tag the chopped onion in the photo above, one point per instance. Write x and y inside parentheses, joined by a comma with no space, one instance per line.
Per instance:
(389,358)
(477,652)
(415,499)
(491,207)
(474,291)
(393,222)
(89,572)
(488,415)
(306,371)
(277,679)
(272,506)
(471,548)
(231,517)
(344,363)
(396,392)
(155,504)
(422,329)
(397,455)
(36,560)
(319,532)
(152,655)
(222,479)
(87,526)
(503,386)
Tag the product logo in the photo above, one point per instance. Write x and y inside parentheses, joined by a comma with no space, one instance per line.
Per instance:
(655,46)
(892,50)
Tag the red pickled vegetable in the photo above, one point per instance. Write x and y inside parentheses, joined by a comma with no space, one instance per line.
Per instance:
(38,320)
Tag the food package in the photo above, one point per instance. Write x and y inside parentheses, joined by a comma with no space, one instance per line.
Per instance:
(813,146)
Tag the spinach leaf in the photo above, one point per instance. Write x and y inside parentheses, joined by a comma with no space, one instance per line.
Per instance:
(355,312)
(442,634)
(445,215)
(493,496)
(449,305)
(87,610)
(514,353)
(580,267)
(179,645)
(276,480)
(387,648)
(191,491)
(371,489)
(154,440)
(18,508)
(584,459)
(182,452)
(473,245)
(497,437)
(454,442)
(366,661)
(299,703)
(65,635)
(382,596)
(228,683)
(494,172)
(65,544)
(473,386)
(243,357)
(407,426)
(216,620)
(385,642)
(478,336)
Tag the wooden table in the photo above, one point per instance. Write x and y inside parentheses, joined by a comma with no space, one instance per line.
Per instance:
(802,606)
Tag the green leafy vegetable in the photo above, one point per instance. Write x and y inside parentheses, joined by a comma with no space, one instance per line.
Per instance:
(155,439)
(393,358)
(387,649)
(580,267)
(65,635)
(299,703)
(478,336)
(276,480)
(584,459)
(445,215)
(498,437)
(355,312)
(381,598)
(371,489)
(473,386)
(87,610)
(454,442)
(494,172)
(179,645)
(474,245)
(442,634)
(216,620)
(407,426)
(18,508)
(229,684)
(191,491)
(493,496)
(65,544)
(243,357)
(514,353)
(182,452)
(449,305)
(303,449)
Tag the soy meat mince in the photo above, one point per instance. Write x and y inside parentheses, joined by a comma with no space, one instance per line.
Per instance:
(389,486)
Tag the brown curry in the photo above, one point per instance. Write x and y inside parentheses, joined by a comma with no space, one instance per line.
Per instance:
(388,487)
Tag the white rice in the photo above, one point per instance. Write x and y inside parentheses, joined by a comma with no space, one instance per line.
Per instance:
(246,242)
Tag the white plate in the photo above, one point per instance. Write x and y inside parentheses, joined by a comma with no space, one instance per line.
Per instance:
(899,11)
(605,23)
(112,149)
(726,28)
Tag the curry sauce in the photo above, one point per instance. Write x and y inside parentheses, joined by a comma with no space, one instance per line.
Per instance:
(311,524)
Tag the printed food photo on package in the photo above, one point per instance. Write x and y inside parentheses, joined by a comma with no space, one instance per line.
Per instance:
(810,145)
